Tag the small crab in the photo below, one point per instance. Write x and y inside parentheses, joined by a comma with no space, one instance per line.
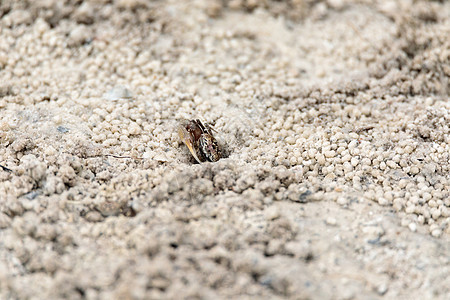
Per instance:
(200,141)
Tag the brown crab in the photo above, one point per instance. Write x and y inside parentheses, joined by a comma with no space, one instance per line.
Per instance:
(200,141)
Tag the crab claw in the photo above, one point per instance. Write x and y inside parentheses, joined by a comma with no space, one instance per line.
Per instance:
(187,140)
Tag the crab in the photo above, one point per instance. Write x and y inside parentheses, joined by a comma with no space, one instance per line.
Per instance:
(199,140)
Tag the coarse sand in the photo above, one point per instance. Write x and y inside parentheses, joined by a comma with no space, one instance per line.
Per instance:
(333,118)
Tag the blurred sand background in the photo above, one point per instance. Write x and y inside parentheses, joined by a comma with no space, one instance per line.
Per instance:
(334,117)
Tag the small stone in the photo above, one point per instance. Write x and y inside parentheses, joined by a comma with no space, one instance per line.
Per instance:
(342,201)
(436,232)
(62,129)
(117,93)
(94,216)
(330,221)
(382,289)
(391,164)
(134,129)
(298,195)
(412,227)
(414,170)
(79,35)
(147,155)
(161,157)
(213,80)
(321,159)
(383,201)
(330,154)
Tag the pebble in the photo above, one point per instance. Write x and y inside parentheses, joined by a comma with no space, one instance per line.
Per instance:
(93,216)
(382,289)
(331,221)
(117,93)
(79,35)
(330,154)
(414,170)
(342,200)
(383,201)
(436,232)
(213,79)
(412,227)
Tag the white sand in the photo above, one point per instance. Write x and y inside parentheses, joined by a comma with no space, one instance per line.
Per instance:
(334,117)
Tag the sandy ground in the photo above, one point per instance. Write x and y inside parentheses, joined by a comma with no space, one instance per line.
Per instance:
(333,117)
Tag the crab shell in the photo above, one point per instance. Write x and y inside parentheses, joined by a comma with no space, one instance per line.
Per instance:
(199,140)
(209,147)
(188,140)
